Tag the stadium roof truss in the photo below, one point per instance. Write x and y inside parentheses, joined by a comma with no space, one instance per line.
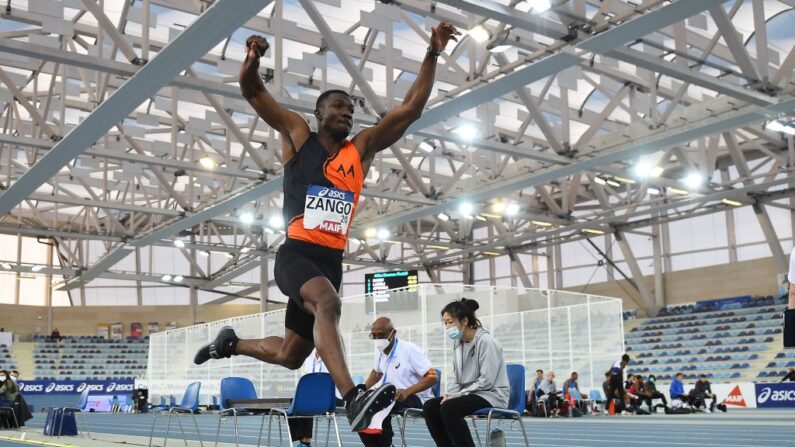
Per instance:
(122,123)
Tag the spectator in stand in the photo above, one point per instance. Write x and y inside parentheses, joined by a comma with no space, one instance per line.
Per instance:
(548,392)
(701,392)
(56,335)
(630,381)
(14,375)
(571,385)
(789,314)
(651,388)
(8,390)
(641,392)
(790,376)
(533,394)
(677,389)
(782,289)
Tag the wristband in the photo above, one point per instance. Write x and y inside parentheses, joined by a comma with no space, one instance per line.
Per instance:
(433,54)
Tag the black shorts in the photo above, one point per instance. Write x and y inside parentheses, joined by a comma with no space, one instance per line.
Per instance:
(296,263)
(617,383)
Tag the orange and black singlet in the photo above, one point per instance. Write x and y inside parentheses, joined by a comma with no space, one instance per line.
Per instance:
(321,192)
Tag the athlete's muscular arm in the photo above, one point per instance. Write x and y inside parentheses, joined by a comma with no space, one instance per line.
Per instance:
(291,125)
(394,124)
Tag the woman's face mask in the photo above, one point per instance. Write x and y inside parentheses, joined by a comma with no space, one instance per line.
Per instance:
(454,333)
(3,378)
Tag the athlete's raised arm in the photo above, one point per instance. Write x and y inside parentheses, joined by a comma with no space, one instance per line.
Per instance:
(289,124)
(394,124)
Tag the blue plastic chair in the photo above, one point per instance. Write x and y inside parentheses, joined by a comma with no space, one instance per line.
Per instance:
(77,409)
(234,388)
(416,413)
(516,403)
(314,397)
(189,404)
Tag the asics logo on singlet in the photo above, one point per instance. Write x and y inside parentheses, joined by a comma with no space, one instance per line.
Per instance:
(332,194)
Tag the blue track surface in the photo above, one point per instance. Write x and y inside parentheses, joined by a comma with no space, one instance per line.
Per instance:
(740,428)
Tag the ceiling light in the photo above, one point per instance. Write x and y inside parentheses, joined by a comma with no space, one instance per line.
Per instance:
(204,253)
(466,209)
(498,206)
(599,181)
(229,255)
(693,180)
(178,278)
(732,202)
(36,268)
(512,209)
(383,234)
(539,6)
(492,253)
(179,243)
(614,183)
(276,221)
(491,216)
(426,146)
(6,266)
(246,218)
(269,230)
(541,224)
(481,218)
(654,191)
(443,217)
(500,48)
(678,191)
(166,277)
(438,247)
(657,171)
(466,131)
(593,231)
(207,162)
(479,34)
(245,249)
(370,233)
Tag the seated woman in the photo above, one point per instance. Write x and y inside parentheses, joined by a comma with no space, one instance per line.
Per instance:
(480,379)
(549,393)
(8,394)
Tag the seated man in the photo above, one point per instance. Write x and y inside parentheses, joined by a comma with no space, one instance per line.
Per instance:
(549,393)
(638,395)
(677,389)
(533,393)
(403,364)
(571,384)
(55,336)
(651,388)
(701,392)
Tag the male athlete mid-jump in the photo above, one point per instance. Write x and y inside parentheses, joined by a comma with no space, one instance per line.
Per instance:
(323,177)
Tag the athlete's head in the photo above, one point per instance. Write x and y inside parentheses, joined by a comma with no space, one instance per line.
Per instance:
(334,113)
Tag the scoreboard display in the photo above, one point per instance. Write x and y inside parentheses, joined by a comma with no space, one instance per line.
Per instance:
(378,285)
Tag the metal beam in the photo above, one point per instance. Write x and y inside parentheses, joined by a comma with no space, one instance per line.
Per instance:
(694,77)
(637,275)
(168,229)
(567,57)
(733,41)
(218,21)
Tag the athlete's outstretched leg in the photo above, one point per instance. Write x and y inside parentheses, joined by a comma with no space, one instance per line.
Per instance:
(322,301)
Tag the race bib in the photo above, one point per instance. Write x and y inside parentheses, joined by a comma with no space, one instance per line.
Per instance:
(328,209)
